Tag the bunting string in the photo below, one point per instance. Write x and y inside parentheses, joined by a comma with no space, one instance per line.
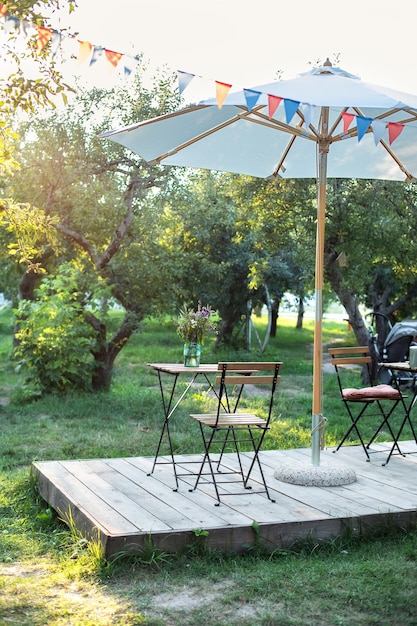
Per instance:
(363,124)
(87,52)
(91,53)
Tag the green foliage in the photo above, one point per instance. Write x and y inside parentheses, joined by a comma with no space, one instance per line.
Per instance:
(55,340)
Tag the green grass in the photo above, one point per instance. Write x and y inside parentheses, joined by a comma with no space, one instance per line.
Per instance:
(50,575)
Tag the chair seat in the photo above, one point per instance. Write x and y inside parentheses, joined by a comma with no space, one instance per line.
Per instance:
(378,392)
(229,419)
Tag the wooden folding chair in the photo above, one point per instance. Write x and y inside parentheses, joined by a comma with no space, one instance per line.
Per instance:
(375,401)
(229,428)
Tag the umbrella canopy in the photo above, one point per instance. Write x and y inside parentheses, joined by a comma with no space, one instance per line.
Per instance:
(289,129)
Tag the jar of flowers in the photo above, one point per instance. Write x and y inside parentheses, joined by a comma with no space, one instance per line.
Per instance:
(192,327)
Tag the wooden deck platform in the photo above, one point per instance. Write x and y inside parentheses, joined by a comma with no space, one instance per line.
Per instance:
(116,500)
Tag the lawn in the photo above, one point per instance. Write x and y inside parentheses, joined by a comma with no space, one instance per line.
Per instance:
(50,575)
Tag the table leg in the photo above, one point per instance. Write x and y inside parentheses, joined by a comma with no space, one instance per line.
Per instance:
(168,411)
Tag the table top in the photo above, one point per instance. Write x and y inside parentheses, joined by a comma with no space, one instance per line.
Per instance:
(178,368)
(401,366)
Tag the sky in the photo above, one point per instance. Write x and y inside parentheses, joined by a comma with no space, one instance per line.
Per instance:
(246,43)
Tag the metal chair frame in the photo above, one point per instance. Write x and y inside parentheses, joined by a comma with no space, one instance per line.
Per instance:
(360,355)
(231,427)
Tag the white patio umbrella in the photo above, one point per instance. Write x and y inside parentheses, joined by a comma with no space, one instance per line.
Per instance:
(324,123)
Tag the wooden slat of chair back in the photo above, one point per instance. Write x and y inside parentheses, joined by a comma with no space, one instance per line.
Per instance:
(247,380)
(357,355)
(248,368)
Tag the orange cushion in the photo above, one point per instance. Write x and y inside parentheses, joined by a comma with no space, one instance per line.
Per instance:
(377,392)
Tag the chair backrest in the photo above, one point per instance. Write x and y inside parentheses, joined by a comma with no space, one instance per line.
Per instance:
(238,374)
(351,356)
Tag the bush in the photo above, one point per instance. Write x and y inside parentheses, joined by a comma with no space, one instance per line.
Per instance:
(54,340)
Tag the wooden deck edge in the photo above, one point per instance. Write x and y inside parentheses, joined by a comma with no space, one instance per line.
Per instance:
(270,536)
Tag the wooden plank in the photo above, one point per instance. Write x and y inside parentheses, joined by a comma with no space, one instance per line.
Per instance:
(202,501)
(61,478)
(136,516)
(366,494)
(258,507)
(170,506)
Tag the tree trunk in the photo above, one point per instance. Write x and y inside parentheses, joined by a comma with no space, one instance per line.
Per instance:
(301,311)
(276,301)
(106,352)
(348,300)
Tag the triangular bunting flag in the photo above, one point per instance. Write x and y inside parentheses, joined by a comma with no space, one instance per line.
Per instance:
(129,64)
(290,108)
(362,125)
(26,27)
(251,97)
(55,42)
(378,128)
(10,23)
(98,52)
(307,111)
(113,57)
(222,89)
(347,121)
(394,130)
(273,104)
(44,37)
(184,79)
(84,51)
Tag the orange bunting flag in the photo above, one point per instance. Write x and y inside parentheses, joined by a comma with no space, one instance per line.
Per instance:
(3,10)
(44,37)
(394,130)
(347,121)
(84,51)
(273,104)
(113,57)
(222,89)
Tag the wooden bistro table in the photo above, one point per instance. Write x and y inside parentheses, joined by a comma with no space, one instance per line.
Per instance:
(170,401)
(407,403)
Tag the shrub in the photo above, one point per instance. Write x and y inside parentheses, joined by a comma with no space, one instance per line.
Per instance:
(54,340)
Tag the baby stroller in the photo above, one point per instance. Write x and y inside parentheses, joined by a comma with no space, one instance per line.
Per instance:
(395,348)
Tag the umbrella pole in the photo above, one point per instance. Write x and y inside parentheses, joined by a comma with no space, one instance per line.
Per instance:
(317,409)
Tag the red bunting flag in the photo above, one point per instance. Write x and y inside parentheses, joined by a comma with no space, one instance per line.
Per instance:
(3,10)
(273,104)
(44,37)
(347,121)
(394,130)
(222,89)
(84,51)
(113,57)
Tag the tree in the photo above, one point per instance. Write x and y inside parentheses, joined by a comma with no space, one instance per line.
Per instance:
(279,216)
(101,201)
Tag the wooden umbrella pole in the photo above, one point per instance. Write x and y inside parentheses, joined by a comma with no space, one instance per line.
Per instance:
(317,409)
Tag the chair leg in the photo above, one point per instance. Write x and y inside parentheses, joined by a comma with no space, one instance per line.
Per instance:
(207,459)
(355,428)
(231,437)
(385,422)
(239,460)
(256,450)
